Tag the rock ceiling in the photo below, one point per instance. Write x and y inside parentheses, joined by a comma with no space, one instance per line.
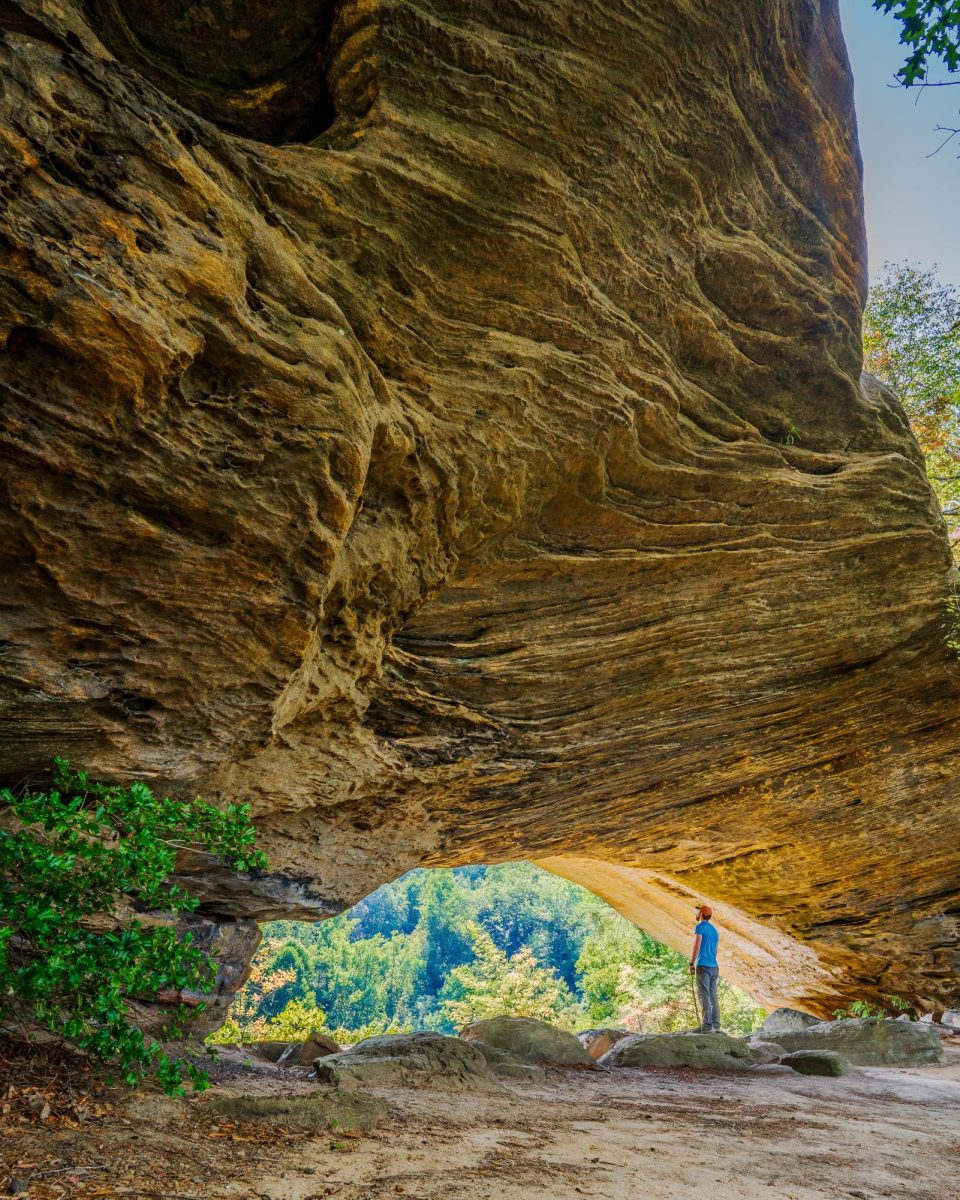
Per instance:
(439,424)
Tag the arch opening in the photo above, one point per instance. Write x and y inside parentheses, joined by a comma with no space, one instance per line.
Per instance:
(440,948)
(774,968)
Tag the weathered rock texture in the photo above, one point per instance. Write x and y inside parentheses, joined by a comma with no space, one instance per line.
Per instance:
(438,423)
(785,1020)
(765,1052)
(870,1043)
(816,1062)
(531,1040)
(506,1065)
(408,1060)
(715,1051)
(597,1042)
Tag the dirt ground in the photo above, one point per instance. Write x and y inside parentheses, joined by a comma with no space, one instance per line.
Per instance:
(667,1134)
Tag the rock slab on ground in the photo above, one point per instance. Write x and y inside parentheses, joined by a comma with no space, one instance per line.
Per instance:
(341,1112)
(817,1062)
(506,1065)
(270,1051)
(870,1043)
(716,1051)
(785,1020)
(530,1040)
(408,1060)
(765,1051)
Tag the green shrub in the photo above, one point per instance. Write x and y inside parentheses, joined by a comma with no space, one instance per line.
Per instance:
(72,859)
(296,1022)
(350,1037)
(873,1012)
(230,1033)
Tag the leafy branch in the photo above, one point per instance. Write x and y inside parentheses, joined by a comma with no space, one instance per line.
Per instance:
(73,860)
(931,29)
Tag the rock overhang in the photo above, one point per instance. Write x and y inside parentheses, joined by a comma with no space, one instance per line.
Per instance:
(490,477)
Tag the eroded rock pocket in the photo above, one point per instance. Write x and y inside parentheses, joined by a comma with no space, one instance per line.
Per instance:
(253,67)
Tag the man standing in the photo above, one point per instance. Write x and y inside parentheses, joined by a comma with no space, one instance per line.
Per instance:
(703,964)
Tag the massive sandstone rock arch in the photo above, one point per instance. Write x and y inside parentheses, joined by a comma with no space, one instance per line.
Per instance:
(438,423)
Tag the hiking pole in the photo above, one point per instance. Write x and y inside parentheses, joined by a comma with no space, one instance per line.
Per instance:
(696,1004)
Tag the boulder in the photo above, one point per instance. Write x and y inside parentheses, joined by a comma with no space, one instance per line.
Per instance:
(765,1052)
(304,1054)
(270,1051)
(785,1020)
(716,1051)
(422,1060)
(296,1054)
(506,1065)
(530,1040)
(231,943)
(944,1023)
(870,1043)
(817,1062)
(597,1042)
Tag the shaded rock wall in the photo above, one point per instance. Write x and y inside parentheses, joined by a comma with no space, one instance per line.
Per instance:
(442,429)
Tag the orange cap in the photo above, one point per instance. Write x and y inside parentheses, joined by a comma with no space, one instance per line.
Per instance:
(705,910)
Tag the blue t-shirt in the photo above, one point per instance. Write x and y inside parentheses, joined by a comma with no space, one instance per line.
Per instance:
(709,936)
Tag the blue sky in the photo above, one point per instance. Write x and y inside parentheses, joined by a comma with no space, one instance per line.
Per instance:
(912,202)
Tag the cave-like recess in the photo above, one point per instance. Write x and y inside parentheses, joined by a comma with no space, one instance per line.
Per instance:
(253,67)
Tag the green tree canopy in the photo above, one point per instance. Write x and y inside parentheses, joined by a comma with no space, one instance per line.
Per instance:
(292,959)
(494,984)
(437,949)
(550,917)
(911,341)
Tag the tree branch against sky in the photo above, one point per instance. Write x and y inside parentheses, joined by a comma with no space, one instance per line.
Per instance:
(910,190)
(931,30)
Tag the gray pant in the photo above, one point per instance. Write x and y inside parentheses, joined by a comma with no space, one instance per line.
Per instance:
(707,995)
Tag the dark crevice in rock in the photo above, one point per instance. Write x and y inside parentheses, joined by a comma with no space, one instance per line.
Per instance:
(14,20)
(257,68)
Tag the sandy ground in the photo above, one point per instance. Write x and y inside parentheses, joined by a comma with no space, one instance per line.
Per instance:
(666,1134)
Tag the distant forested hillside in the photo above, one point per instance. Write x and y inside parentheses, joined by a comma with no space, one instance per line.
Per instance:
(439,948)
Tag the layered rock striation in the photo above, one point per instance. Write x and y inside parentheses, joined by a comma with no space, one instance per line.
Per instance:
(439,425)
